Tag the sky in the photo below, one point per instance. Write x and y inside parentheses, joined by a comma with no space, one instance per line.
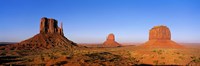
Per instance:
(90,21)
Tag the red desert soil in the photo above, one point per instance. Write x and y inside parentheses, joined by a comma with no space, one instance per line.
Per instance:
(126,56)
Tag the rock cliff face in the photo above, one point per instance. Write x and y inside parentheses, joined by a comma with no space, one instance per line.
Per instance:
(50,36)
(160,36)
(50,26)
(160,33)
(110,42)
(111,37)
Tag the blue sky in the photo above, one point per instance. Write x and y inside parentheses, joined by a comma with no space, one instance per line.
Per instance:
(90,21)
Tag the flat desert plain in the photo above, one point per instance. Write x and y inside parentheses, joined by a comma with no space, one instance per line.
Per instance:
(94,55)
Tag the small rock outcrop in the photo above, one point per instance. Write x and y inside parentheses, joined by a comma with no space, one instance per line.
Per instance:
(110,42)
(50,36)
(160,36)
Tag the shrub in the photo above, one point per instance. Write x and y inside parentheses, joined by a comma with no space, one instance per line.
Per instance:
(163,63)
(158,51)
(162,57)
(181,57)
(2,48)
(63,53)
(155,62)
(3,53)
(175,60)
(195,59)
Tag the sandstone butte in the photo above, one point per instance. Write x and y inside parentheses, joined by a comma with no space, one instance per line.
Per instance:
(160,37)
(110,42)
(50,36)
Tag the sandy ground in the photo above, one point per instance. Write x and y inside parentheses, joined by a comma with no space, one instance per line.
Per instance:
(94,55)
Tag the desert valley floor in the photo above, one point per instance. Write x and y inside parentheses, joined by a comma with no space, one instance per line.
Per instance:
(92,55)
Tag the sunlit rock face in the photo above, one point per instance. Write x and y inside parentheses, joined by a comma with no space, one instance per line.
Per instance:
(111,37)
(110,42)
(50,26)
(160,33)
(160,37)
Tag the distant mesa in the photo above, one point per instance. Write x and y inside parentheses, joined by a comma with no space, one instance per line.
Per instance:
(160,36)
(160,33)
(50,36)
(110,42)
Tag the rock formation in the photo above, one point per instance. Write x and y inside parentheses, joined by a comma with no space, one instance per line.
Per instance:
(50,26)
(160,36)
(160,33)
(50,36)
(110,42)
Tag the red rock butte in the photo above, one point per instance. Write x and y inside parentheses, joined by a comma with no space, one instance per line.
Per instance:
(50,26)
(160,37)
(110,42)
(50,36)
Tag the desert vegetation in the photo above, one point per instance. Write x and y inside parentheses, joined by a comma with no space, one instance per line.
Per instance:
(127,55)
